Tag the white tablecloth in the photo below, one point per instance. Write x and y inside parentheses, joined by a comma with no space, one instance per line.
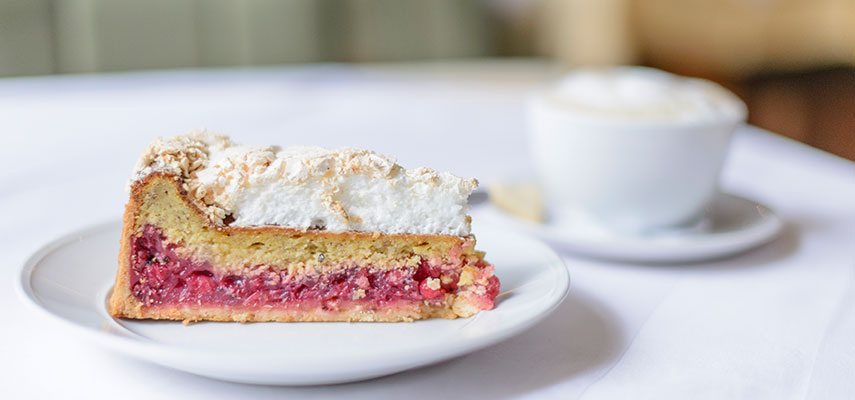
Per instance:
(776,323)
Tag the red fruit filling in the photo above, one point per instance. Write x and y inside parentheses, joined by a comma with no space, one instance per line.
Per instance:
(158,276)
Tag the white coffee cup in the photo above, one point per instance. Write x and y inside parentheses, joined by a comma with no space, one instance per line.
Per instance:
(632,149)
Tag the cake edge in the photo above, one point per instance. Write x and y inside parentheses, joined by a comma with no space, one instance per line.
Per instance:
(122,303)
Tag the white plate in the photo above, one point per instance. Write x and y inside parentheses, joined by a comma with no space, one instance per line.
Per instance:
(71,278)
(731,225)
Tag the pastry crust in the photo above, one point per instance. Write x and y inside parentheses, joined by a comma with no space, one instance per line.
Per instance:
(194,314)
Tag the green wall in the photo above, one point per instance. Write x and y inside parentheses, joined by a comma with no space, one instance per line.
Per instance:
(80,36)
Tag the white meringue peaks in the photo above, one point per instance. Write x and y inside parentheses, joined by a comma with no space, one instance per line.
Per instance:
(311,187)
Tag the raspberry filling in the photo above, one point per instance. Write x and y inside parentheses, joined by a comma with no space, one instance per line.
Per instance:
(159,276)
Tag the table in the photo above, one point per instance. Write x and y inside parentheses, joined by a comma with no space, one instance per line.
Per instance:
(777,322)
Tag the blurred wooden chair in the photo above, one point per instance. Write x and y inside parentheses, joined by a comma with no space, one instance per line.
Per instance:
(792,61)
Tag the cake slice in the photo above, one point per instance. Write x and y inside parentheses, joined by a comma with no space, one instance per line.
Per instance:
(222,232)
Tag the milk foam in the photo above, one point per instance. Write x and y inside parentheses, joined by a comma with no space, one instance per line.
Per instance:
(643,94)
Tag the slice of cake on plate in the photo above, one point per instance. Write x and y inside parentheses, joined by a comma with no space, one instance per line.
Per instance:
(222,232)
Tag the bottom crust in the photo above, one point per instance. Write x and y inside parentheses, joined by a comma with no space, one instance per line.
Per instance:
(194,314)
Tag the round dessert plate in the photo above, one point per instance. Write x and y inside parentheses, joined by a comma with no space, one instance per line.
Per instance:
(731,225)
(71,278)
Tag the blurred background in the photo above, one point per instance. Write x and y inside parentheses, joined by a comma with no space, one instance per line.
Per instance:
(792,61)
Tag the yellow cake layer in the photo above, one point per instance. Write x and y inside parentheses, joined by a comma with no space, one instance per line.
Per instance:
(159,201)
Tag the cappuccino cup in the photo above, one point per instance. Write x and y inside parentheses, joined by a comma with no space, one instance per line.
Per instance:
(633,150)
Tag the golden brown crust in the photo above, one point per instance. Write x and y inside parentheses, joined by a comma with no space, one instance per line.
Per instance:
(192,314)
(122,299)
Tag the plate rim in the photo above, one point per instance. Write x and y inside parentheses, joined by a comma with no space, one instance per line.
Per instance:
(769,227)
(155,352)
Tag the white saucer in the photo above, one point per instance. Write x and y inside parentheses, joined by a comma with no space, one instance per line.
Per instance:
(70,279)
(731,225)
